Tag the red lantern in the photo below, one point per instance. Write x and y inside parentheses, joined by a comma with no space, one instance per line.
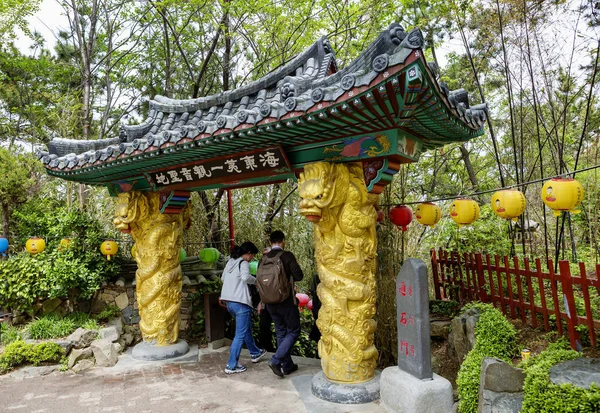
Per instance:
(309,305)
(303,299)
(401,216)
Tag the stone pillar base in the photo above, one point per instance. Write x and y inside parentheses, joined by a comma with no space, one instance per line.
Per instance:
(150,352)
(366,392)
(402,392)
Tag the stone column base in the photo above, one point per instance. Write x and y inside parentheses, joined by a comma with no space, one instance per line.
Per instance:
(401,392)
(150,352)
(366,392)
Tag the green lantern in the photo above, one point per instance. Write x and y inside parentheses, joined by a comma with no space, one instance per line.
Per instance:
(182,255)
(253,267)
(209,255)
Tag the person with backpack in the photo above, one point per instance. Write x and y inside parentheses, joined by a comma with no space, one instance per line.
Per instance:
(235,292)
(275,278)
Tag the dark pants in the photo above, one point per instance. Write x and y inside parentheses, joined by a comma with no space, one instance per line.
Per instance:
(287,328)
(265,336)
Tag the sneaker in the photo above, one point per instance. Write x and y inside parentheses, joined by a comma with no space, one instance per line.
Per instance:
(237,369)
(276,368)
(256,358)
(291,369)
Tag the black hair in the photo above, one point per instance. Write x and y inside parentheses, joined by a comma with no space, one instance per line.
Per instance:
(277,237)
(248,247)
(236,252)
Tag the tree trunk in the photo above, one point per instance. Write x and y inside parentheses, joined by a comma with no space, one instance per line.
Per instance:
(270,215)
(167,58)
(470,170)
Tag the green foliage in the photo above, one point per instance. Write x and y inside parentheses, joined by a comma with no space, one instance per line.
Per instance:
(543,396)
(10,333)
(78,270)
(53,326)
(109,312)
(494,337)
(305,347)
(19,352)
(443,307)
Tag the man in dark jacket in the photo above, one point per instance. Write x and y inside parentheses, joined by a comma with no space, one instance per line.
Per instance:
(286,315)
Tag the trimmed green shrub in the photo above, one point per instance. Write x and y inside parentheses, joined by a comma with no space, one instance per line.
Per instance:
(19,352)
(108,313)
(443,307)
(543,396)
(52,326)
(494,337)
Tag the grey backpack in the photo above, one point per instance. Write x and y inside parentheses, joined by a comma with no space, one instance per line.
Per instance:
(273,284)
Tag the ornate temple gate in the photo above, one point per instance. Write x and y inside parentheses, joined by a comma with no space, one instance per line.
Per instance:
(342,134)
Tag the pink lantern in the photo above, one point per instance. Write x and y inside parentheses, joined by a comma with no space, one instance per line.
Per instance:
(303,299)
(309,305)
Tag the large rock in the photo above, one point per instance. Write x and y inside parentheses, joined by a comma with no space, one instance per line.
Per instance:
(122,301)
(402,392)
(50,305)
(83,365)
(79,354)
(118,323)
(109,333)
(580,372)
(440,328)
(500,387)
(82,338)
(462,338)
(105,352)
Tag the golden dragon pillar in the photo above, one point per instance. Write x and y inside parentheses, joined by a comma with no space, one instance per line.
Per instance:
(158,239)
(335,198)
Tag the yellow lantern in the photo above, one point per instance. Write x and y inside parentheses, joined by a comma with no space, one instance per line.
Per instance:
(65,244)
(35,245)
(109,248)
(562,194)
(464,211)
(508,203)
(428,214)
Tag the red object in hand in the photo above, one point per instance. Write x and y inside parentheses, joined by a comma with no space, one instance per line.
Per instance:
(303,299)
(401,216)
(309,305)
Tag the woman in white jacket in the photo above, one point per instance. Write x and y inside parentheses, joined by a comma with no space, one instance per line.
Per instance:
(236,277)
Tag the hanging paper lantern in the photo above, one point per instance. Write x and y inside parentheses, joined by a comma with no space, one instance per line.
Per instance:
(209,255)
(562,194)
(508,203)
(309,305)
(65,244)
(3,246)
(35,245)
(464,211)
(303,299)
(428,214)
(401,216)
(182,255)
(253,267)
(109,248)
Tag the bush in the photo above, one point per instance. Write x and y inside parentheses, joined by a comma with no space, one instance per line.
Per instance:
(52,326)
(543,396)
(19,352)
(443,307)
(494,337)
(78,270)
(10,334)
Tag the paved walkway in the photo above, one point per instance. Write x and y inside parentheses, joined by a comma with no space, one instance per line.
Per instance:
(195,383)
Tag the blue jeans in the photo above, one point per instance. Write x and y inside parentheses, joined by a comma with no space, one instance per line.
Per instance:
(243,332)
(286,318)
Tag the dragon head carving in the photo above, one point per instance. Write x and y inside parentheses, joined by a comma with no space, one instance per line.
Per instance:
(321,187)
(131,208)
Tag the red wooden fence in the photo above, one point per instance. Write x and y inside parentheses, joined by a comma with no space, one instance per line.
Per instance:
(540,299)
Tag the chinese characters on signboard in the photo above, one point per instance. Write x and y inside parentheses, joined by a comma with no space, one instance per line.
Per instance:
(231,168)
(412,306)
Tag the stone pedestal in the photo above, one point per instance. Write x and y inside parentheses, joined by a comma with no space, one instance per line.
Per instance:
(342,393)
(401,392)
(149,352)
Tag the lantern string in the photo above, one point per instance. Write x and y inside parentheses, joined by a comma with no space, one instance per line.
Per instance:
(447,198)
